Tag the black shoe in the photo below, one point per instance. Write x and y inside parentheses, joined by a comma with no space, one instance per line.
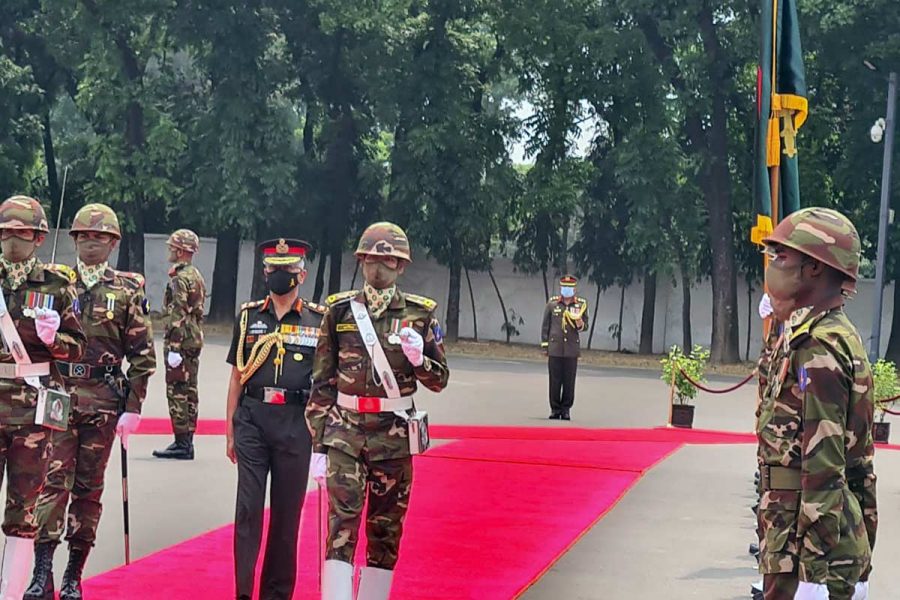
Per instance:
(41,587)
(182,449)
(71,582)
(554,415)
(565,416)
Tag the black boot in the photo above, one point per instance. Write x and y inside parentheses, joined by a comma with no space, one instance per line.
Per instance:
(41,587)
(565,416)
(182,449)
(70,589)
(553,415)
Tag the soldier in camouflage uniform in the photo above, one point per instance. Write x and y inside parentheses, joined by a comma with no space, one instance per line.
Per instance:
(184,302)
(356,430)
(817,514)
(43,307)
(114,315)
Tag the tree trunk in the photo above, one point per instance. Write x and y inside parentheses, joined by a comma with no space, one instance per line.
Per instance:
(136,242)
(320,277)
(687,340)
(258,287)
(355,273)
(335,264)
(52,175)
(621,318)
(648,315)
(453,296)
(893,347)
(502,304)
(224,284)
(123,263)
(749,317)
(472,300)
(594,320)
(546,287)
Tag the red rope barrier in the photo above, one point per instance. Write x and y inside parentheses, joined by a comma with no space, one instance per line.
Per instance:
(703,388)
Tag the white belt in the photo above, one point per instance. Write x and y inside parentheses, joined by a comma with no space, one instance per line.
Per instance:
(370,404)
(21,371)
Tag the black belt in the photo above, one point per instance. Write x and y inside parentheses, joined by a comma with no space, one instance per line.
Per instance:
(83,371)
(258,393)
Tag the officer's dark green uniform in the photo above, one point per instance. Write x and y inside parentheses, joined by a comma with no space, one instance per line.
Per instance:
(275,359)
(564,317)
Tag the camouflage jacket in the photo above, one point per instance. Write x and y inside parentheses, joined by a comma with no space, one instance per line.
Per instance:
(183,309)
(816,417)
(49,286)
(114,317)
(342,364)
(559,337)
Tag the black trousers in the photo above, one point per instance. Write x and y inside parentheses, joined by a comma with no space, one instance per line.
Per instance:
(269,439)
(562,382)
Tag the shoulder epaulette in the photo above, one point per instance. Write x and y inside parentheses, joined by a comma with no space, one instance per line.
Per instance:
(135,278)
(554,298)
(422,301)
(316,308)
(64,271)
(580,299)
(341,297)
(252,304)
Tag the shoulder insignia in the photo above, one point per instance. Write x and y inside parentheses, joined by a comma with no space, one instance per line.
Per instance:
(64,271)
(136,279)
(252,304)
(554,298)
(341,297)
(580,299)
(422,301)
(316,308)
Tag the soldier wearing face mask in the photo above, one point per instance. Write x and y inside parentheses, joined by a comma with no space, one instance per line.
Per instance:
(272,360)
(360,421)
(565,316)
(817,512)
(43,310)
(114,315)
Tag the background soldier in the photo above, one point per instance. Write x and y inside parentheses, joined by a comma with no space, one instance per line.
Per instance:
(564,317)
(817,514)
(272,357)
(184,301)
(42,304)
(114,317)
(364,433)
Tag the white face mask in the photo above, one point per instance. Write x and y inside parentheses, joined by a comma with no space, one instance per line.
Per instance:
(567,292)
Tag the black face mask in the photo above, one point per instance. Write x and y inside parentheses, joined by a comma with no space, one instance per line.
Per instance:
(281,282)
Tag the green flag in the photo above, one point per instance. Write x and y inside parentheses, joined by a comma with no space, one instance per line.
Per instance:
(781,110)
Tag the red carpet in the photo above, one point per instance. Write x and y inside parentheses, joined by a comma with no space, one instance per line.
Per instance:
(480,530)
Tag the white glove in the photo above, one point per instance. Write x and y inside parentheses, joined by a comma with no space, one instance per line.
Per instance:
(46,323)
(318,465)
(128,424)
(861,591)
(765,306)
(811,591)
(412,344)
(174,359)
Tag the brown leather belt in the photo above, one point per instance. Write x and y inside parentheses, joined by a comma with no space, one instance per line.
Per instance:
(779,478)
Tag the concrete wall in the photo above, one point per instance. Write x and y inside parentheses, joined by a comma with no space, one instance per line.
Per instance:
(523,294)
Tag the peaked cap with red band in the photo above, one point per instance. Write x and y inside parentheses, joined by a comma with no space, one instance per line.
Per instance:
(568,281)
(284,252)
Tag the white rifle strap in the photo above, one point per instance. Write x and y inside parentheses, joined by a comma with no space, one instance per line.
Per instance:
(14,341)
(373,347)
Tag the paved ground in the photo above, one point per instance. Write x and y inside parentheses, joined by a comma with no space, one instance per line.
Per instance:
(681,533)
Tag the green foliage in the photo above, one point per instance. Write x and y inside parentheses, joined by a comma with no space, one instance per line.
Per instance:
(511,327)
(884,374)
(694,365)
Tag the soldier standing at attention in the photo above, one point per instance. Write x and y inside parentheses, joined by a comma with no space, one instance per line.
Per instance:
(43,310)
(272,361)
(564,317)
(359,422)
(114,316)
(817,514)
(184,301)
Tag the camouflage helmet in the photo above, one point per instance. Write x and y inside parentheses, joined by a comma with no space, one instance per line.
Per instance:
(22,212)
(185,239)
(825,235)
(96,217)
(384,239)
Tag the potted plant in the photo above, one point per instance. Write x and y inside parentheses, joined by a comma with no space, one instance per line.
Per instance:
(884,374)
(682,391)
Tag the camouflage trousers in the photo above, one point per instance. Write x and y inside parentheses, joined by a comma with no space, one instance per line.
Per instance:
(181,391)
(387,484)
(783,586)
(77,468)
(24,456)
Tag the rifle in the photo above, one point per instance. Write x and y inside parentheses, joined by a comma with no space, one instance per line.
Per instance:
(62,199)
